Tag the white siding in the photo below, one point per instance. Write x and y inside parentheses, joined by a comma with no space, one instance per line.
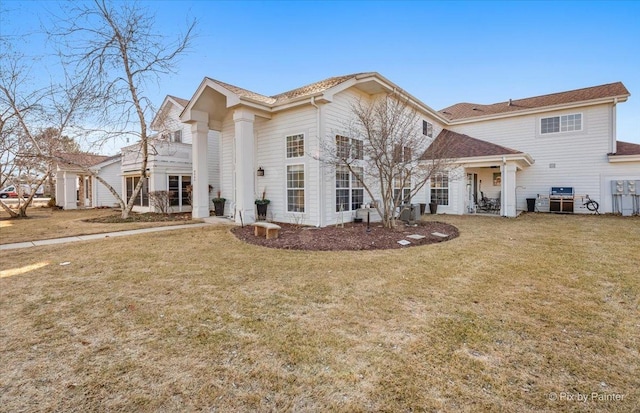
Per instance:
(111,174)
(576,159)
(337,115)
(270,138)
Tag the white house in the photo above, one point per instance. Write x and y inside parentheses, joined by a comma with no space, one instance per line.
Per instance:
(511,151)
(169,164)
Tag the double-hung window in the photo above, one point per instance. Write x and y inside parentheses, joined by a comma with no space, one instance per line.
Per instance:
(349,148)
(440,188)
(564,123)
(295,188)
(349,189)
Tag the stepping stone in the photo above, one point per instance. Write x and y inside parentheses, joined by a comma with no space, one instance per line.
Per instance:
(439,234)
(416,236)
(403,242)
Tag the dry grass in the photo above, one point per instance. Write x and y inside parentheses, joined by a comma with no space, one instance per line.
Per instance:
(47,223)
(496,320)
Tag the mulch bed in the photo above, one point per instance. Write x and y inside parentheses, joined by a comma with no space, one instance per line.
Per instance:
(353,237)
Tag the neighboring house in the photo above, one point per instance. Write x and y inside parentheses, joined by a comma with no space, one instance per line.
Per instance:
(511,151)
(75,187)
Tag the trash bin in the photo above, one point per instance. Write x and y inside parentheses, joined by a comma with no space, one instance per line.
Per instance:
(531,204)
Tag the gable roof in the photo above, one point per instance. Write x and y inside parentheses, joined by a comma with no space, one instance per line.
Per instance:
(453,145)
(291,95)
(82,158)
(474,110)
(180,101)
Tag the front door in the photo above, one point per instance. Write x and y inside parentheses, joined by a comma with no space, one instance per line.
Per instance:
(472,192)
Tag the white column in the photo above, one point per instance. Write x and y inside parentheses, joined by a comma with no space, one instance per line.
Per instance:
(60,188)
(200,177)
(245,162)
(70,194)
(508,202)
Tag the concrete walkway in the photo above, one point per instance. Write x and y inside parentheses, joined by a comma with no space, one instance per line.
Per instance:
(207,222)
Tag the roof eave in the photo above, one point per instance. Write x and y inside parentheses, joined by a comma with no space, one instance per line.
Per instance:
(523,159)
(592,102)
(623,158)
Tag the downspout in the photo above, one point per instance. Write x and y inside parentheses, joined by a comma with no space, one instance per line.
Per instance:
(503,194)
(614,142)
(320,166)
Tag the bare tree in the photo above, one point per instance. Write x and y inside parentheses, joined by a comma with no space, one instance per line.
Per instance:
(161,200)
(117,52)
(381,149)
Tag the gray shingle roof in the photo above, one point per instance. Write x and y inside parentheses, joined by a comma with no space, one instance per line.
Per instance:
(453,145)
(471,110)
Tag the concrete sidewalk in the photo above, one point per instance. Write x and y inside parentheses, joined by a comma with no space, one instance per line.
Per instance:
(208,221)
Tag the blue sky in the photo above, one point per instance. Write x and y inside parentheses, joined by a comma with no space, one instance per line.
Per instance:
(441,52)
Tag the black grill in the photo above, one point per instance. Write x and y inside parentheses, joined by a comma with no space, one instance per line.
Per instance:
(561,199)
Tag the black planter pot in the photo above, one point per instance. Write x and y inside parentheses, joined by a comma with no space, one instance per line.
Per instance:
(218,206)
(433,207)
(262,211)
(423,208)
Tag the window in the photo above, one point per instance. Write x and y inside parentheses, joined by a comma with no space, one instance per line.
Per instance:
(349,190)
(295,188)
(143,196)
(348,148)
(440,188)
(564,123)
(400,190)
(427,129)
(401,154)
(179,190)
(295,146)
(177,136)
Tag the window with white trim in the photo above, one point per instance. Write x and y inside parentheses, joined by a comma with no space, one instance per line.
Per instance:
(564,123)
(400,188)
(349,148)
(295,188)
(179,190)
(440,188)
(295,146)
(349,189)
(143,196)
(177,136)
(427,129)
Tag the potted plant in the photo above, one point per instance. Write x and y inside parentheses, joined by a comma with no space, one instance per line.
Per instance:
(261,206)
(433,207)
(218,205)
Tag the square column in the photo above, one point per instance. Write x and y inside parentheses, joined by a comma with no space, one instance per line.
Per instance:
(245,161)
(508,201)
(60,189)
(200,177)
(70,194)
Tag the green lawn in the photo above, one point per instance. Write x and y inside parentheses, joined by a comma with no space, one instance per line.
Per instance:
(514,315)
